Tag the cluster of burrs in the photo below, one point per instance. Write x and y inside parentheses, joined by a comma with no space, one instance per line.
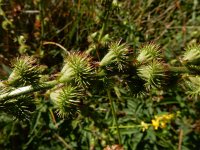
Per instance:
(70,88)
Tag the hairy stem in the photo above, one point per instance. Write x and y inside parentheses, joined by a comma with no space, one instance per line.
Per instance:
(28,89)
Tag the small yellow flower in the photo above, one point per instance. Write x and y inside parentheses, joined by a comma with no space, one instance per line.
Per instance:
(161,120)
(158,117)
(163,124)
(155,123)
(168,116)
(144,126)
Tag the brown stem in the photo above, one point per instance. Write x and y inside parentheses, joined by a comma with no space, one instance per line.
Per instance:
(180,139)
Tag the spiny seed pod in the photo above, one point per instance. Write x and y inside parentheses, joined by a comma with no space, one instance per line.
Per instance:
(22,107)
(66,100)
(78,68)
(152,73)
(117,54)
(192,55)
(194,68)
(147,53)
(25,72)
(192,84)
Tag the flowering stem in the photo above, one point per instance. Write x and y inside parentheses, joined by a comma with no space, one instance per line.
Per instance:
(28,89)
(114,116)
(126,127)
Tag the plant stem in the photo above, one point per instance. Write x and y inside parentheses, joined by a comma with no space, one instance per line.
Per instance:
(57,44)
(178,69)
(28,89)
(180,139)
(41,8)
(67,146)
(114,116)
(126,127)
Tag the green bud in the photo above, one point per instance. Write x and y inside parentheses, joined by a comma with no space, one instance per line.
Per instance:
(21,40)
(105,39)
(23,49)
(6,24)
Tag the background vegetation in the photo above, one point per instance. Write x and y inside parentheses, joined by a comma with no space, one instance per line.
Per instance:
(117,109)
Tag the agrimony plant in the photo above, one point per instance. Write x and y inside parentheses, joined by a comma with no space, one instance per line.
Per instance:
(78,71)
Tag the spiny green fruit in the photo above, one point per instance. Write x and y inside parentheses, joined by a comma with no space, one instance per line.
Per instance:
(118,55)
(192,84)
(66,100)
(152,73)
(78,68)
(192,55)
(147,53)
(195,69)
(21,107)
(25,72)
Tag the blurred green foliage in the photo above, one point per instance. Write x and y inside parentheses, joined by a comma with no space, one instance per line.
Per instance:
(89,26)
